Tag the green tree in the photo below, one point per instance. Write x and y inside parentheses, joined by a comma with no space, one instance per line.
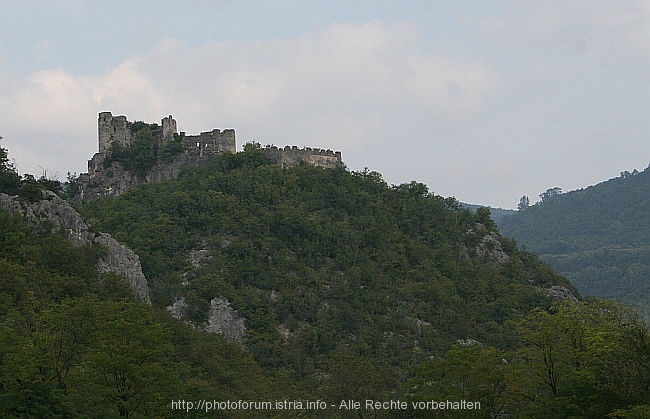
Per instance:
(551,193)
(9,179)
(128,362)
(583,359)
(143,152)
(474,373)
(484,216)
(524,203)
(349,377)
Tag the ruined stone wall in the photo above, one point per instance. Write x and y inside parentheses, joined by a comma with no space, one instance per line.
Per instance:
(294,156)
(213,142)
(107,177)
(106,180)
(113,129)
(113,181)
(168,128)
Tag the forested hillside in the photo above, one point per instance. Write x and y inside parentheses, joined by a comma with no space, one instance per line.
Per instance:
(347,288)
(598,237)
(318,260)
(74,344)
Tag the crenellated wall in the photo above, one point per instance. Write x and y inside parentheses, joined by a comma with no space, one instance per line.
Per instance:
(110,176)
(294,156)
(213,142)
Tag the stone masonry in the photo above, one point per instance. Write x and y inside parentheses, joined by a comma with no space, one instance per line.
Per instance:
(107,177)
(293,156)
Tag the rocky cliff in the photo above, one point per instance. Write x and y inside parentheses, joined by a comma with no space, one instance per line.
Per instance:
(60,216)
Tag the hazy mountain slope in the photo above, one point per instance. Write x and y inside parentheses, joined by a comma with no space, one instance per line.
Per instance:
(497,213)
(599,237)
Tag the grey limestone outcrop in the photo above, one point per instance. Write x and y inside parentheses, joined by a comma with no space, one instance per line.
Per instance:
(177,308)
(58,214)
(490,247)
(559,292)
(224,320)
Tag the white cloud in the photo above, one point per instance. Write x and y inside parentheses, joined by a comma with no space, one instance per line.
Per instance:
(49,101)
(524,98)
(129,90)
(629,20)
(338,85)
(554,26)
(454,86)
(345,77)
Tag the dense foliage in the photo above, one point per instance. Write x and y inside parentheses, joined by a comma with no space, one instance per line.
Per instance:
(351,289)
(333,258)
(598,237)
(497,214)
(145,149)
(73,344)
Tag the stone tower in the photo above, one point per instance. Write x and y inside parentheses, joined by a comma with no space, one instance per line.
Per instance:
(168,128)
(112,129)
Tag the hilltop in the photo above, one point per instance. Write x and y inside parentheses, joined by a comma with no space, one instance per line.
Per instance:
(598,237)
(497,214)
(134,153)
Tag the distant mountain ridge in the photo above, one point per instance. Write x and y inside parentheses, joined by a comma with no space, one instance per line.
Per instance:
(598,237)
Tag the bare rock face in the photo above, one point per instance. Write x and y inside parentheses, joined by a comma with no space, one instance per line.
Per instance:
(61,216)
(559,292)
(196,257)
(54,210)
(490,247)
(487,247)
(466,343)
(177,308)
(124,262)
(224,320)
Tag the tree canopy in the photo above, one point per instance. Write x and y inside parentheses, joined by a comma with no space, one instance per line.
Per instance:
(349,288)
(598,237)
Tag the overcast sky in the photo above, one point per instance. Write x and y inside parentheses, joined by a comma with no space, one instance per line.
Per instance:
(482,100)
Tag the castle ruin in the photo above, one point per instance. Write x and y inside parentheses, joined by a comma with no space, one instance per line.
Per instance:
(294,156)
(116,131)
(166,152)
(112,130)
